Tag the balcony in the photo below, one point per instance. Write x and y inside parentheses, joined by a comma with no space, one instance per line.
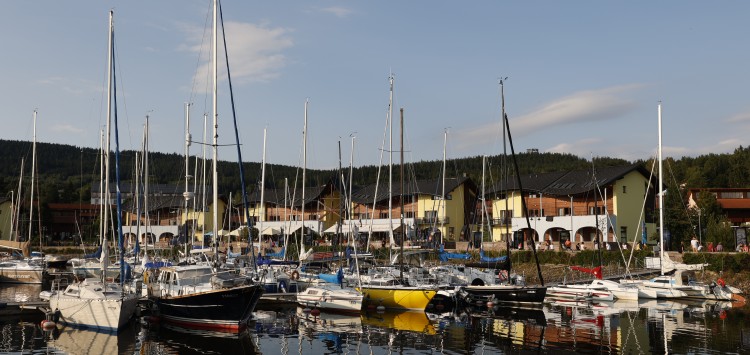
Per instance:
(432,220)
(500,221)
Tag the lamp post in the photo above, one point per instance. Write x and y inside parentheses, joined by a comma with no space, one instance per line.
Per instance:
(700,230)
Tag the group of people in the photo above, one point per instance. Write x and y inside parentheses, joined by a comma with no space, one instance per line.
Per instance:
(697,246)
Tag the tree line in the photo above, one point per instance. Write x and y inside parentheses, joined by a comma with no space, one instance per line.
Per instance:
(67,173)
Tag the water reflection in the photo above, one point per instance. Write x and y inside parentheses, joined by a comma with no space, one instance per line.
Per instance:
(628,327)
(166,338)
(88,341)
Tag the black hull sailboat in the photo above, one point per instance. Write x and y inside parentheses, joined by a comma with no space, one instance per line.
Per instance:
(507,295)
(224,309)
(513,291)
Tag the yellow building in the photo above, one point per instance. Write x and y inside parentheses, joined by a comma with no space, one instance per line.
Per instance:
(426,214)
(573,206)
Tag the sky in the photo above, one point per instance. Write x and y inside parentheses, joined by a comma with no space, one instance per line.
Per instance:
(580,77)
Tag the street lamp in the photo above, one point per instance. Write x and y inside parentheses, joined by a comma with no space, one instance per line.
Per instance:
(700,231)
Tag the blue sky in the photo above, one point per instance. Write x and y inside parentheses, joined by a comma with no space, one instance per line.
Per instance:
(584,77)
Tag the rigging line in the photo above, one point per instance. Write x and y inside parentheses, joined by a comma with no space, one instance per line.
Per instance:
(682,202)
(199,60)
(115,55)
(640,218)
(245,203)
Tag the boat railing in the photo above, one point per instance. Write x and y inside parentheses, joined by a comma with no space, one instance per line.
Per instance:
(59,284)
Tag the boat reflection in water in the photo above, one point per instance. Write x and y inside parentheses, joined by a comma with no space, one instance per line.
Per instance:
(335,331)
(412,321)
(167,338)
(73,340)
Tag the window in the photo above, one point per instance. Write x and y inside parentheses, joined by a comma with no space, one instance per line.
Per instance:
(597,210)
(430,214)
(624,189)
(447,197)
(731,194)
(383,215)
(624,233)
(409,214)
(563,211)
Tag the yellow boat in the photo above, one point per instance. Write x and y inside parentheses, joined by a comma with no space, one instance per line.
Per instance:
(405,320)
(397,297)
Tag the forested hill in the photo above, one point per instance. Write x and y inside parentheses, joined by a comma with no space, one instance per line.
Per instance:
(66,172)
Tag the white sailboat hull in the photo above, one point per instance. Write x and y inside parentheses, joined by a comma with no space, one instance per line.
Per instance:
(331,299)
(93,304)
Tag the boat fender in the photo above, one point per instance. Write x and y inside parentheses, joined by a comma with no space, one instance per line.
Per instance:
(282,286)
(721,282)
(295,275)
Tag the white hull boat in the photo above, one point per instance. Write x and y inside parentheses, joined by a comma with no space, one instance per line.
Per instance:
(331,298)
(579,292)
(93,304)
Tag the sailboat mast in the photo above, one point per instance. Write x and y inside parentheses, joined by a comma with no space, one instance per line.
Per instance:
(442,200)
(103,195)
(33,177)
(285,231)
(187,195)
(351,181)
(520,188)
(596,212)
(16,224)
(390,164)
(403,231)
(262,208)
(661,198)
(304,171)
(105,222)
(146,191)
(215,144)
(484,205)
(504,180)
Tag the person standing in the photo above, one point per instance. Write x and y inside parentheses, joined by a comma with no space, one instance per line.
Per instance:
(719,247)
(694,244)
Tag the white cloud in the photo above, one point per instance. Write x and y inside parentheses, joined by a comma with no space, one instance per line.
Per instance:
(66,128)
(740,117)
(584,106)
(337,11)
(580,147)
(255,53)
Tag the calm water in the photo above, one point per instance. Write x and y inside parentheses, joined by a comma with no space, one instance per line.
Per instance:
(617,327)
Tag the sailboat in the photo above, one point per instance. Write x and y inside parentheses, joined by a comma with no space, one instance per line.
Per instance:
(24,270)
(334,297)
(199,296)
(599,289)
(97,303)
(398,293)
(513,291)
(681,283)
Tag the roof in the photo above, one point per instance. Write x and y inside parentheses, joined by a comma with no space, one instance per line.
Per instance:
(276,196)
(420,187)
(571,182)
